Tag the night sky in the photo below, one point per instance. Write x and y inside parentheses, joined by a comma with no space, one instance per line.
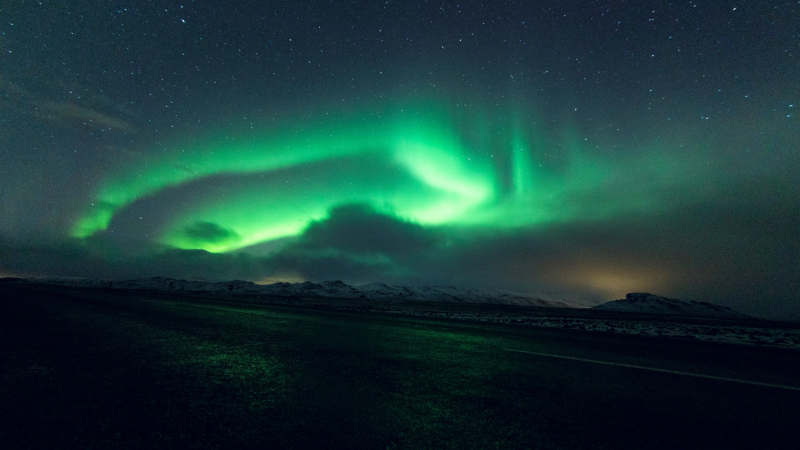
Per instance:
(574,149)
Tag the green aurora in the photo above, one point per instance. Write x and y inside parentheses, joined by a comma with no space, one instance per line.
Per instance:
(425,165)
(564,148)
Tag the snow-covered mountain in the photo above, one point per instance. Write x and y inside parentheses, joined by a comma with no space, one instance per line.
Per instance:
(454,294)
(634,302)
(654,304)
(325,289)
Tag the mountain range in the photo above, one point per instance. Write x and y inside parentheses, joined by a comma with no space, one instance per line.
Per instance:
(653,304)
(325,289)
(633,303)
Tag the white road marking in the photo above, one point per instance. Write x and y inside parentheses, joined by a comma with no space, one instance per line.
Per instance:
(160,303)
(655,369)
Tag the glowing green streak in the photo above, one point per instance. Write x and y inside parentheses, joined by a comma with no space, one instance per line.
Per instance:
(283,150)
(421,141)
(287,206)
(437,161)
(523,166)
(424,178)
(411,164)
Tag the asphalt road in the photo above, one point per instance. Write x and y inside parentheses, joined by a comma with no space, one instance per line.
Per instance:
(102,369)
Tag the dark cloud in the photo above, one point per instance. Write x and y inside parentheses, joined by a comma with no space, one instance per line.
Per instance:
(358,228)
(104,259)
(208,232)
(728,251)
(359,244)
(723,252)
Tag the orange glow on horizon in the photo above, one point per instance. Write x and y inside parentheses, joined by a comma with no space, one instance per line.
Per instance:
(615,282)
(283,278)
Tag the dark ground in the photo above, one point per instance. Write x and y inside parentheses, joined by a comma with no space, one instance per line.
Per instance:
(103,369)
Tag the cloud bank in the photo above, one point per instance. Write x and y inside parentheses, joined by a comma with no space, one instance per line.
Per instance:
(722,252)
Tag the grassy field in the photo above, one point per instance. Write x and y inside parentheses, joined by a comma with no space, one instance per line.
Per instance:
(95,369)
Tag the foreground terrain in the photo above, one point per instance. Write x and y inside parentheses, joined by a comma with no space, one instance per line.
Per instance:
(102,369)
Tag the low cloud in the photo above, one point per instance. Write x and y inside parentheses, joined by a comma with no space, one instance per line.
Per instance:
(722,252)
(103,259)
(66,114)
(87,110)
(209,233)
(359,229)
(358,244)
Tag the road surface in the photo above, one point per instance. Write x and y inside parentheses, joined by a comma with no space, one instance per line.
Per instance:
(106,369)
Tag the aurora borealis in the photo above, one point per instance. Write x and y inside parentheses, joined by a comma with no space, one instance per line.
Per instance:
(295,178)
(415,166)
(577,150)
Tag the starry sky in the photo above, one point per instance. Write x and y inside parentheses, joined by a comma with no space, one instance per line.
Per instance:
(573,149)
